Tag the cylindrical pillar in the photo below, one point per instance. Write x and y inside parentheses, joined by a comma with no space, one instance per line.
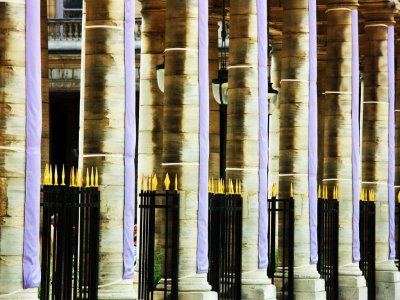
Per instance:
(104,134)
(181,135)
(242,159)
(12,145)
(337,165)
(213,58)
(294,139)
(375,138)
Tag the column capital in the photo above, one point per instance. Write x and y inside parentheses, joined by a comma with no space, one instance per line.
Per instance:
(342,4)
(380,12)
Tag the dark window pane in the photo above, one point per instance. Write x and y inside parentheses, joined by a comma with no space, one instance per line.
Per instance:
(72,14)
(72,3)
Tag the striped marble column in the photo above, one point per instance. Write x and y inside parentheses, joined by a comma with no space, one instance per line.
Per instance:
(181,136)
(379,18)
(104,134)
(337,165)
(242,159)
(294,140)
(12,149)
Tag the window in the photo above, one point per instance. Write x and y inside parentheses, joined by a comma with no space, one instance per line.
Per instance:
(69,9)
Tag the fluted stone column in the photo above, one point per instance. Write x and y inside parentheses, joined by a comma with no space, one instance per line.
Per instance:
(181,136)
(104,114)
(338,139)
(242,139)
(12,150)
(273,167)
(213,58)
(375,139)
(293,162)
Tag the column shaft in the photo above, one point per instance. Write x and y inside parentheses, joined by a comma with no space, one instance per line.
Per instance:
(104,132)
(337,165)
(12,144)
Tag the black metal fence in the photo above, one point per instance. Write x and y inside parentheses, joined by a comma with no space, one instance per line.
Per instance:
(225,245)
(158,262)
(281,245)
(328,245)
(367,244)
(70,242)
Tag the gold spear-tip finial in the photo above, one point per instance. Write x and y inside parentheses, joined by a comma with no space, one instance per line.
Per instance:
(274,190)
(96,178)
(176,182)
(79,177)
(87,178)
(45,174)
(154,183)
(167,182)
(319,191)
(71,177)
(51,176)
(291,190)
(365,195)
(63,176)
(398,197)
(92,178)
(362,194)
(142,183)
(55,175)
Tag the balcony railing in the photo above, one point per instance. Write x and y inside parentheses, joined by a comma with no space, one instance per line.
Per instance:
(66,34)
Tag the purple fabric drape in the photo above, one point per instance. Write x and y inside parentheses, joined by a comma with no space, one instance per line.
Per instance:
(130,138)
(313,132)
(30,261)
(355,123)
(391,169)
(262,38)
(202,237)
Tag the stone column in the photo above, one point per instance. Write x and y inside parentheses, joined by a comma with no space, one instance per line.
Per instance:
(151,97)
(274,115)
(213,58)
(12,150)
(242,139)
(337,169)
(181,136)
(293,162)
(104,133)
(45,84)
(378,17)
(51,8)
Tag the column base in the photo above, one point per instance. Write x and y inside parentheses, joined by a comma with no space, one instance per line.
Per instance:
(352,284)
(26,294)
(257,286)
(307,284)
(121,290)
(195,287)
(387,281)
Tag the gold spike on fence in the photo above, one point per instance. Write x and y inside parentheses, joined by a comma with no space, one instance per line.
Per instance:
(176,182)
(55,175)
(319,191)
(291,190)
(167,182)
(96,179)
(92,178)
(63,176)
(398,197)
(87,178)
(154,183)
(274,190)
(362,194)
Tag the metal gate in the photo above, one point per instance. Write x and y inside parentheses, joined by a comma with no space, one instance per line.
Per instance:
(158,263)
(225,245)
(70,242)
(281,246)
(367,243)
(328,244)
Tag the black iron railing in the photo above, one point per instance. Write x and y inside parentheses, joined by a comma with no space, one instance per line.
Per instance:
(367,244)
(328,245)
(158,262)
(281,245)
(225,245)
(70,242)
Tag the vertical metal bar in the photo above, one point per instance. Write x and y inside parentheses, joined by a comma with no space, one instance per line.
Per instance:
(166,243)
(175,246)
(291,249)
(75,198)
